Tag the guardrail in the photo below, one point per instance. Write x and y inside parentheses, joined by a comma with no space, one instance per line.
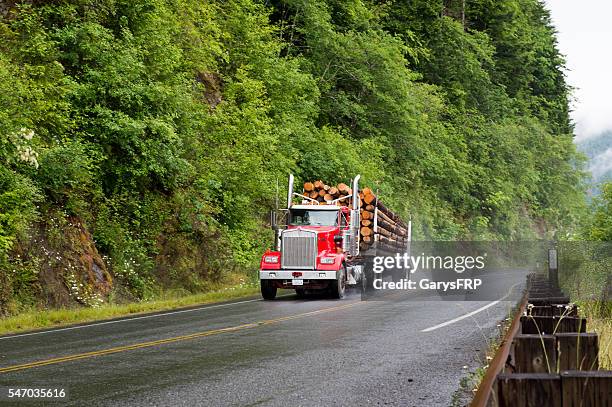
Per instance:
(547,357)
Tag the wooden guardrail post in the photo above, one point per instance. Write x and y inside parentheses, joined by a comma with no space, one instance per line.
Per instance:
(587,389)
(552,325)
(535,354)
(577,351)
(570,324)
(553,268)
(549,300)
(529,390)
(542,311)
(552,311)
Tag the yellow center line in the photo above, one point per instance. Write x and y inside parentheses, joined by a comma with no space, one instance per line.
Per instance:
(142,345)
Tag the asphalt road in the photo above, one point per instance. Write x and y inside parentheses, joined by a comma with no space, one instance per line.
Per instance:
(285,352)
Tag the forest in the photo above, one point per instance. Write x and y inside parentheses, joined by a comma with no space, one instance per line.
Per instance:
(143,142)
(598,150)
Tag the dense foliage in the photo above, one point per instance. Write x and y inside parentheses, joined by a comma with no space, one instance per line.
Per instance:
(600,227)
(164,127)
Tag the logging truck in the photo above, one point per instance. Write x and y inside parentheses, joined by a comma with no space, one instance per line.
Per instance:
(322,239)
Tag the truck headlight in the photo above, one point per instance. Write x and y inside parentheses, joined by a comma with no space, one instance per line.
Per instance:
(327,260)
(271,259)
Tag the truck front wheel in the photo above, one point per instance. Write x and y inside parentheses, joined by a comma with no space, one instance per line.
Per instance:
(337,288)
(268,290)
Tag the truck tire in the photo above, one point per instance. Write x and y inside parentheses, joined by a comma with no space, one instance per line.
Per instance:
(337,288)
(364,282)
(268,291)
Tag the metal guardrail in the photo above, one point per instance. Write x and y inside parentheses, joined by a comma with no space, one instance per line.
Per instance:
(485,390)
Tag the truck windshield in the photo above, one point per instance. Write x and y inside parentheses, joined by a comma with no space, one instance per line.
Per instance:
(308,217)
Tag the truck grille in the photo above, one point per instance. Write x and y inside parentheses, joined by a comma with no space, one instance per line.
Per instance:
(299,249)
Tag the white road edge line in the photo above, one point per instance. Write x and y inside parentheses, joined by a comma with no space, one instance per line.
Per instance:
(469,314)
(71,328)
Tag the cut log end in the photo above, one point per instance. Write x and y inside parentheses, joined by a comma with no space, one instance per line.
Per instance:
(366,231)
(369,198)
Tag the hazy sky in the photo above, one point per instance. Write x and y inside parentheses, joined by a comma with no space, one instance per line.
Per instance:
(585,38)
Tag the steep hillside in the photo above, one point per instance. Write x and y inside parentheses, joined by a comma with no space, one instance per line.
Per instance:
(142,141)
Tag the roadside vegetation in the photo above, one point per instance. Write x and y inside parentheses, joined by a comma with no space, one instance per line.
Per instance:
(166,300)
(599,315)
(471,382)
(141,142)
(586,272)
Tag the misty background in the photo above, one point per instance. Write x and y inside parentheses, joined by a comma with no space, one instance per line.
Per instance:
(585,34)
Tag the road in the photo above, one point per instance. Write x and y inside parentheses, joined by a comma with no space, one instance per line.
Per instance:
(289,351)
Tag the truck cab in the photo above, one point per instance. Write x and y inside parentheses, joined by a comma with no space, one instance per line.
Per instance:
(314,250)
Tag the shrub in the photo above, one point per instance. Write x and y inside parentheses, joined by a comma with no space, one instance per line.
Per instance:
(18,197)
(66,176)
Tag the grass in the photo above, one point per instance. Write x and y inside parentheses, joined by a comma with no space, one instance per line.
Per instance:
(165,301)
(599,320)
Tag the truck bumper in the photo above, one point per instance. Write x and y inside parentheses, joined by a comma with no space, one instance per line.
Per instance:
(306,274)
(309,279)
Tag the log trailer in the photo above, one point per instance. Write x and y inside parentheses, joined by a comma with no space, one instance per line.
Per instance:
(320,245)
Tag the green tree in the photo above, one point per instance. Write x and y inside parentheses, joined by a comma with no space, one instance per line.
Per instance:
(601,225)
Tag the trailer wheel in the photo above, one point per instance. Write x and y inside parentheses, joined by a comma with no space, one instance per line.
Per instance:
(338,287)
(268,290)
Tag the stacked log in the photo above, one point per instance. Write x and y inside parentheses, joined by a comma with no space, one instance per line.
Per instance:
(320,193)
(390,231)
